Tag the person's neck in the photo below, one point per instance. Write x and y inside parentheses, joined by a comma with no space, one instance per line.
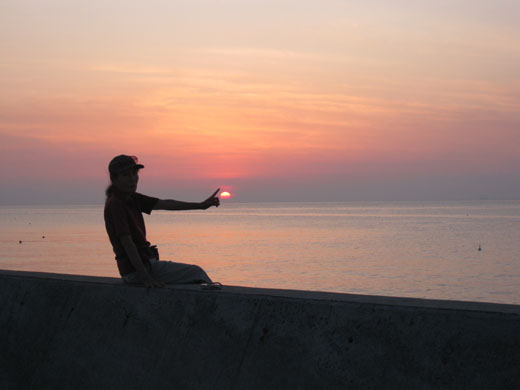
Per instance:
(122,194)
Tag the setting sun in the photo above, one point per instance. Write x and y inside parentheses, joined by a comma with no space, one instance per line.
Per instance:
(225,194)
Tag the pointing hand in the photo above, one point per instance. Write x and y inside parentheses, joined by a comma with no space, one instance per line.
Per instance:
(213,200)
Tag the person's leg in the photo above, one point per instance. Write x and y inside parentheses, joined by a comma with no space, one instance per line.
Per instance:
(170,272)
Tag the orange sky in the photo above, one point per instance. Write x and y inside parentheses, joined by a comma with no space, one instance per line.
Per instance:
(276,100)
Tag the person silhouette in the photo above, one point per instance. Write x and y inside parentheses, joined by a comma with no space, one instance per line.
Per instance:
(137,261)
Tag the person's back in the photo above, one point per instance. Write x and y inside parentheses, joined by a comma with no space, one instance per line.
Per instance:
(123,216)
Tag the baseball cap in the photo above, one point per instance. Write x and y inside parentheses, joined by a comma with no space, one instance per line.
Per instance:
(123,162)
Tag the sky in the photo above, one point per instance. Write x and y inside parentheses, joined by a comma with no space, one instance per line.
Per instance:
(270,100)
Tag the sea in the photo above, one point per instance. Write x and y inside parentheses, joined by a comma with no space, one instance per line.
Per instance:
(467,250)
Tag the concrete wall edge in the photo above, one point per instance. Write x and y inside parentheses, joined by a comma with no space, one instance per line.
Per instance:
(469,306)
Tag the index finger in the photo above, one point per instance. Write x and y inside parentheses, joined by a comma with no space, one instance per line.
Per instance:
(215,193)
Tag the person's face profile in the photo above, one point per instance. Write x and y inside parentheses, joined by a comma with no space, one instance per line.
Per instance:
(127,180)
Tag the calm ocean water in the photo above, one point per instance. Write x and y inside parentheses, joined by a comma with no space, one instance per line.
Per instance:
(413,249)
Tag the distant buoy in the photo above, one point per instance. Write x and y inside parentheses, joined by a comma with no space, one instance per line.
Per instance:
(479,248)
(43,236)
(19,242)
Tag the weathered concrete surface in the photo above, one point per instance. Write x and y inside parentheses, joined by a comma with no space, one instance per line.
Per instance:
(73,332)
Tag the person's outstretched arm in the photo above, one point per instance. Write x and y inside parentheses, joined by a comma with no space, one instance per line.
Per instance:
(171,204)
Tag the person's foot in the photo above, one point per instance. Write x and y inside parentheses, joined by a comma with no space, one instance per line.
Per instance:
(211,286)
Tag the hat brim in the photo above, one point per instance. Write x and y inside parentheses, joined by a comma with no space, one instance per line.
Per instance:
(126,168)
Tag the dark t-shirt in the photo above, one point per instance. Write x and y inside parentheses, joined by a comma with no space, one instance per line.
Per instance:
(124,217)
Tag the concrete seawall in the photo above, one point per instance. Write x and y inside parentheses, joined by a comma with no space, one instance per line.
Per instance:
(74,332)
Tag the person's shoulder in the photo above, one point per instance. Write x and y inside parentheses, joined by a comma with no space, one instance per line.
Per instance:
(114,201)
(139,196)
(146,203)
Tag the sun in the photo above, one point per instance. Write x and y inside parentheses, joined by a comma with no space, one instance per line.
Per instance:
(225,195)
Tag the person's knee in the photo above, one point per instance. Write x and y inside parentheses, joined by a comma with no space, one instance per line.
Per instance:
(203,276)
